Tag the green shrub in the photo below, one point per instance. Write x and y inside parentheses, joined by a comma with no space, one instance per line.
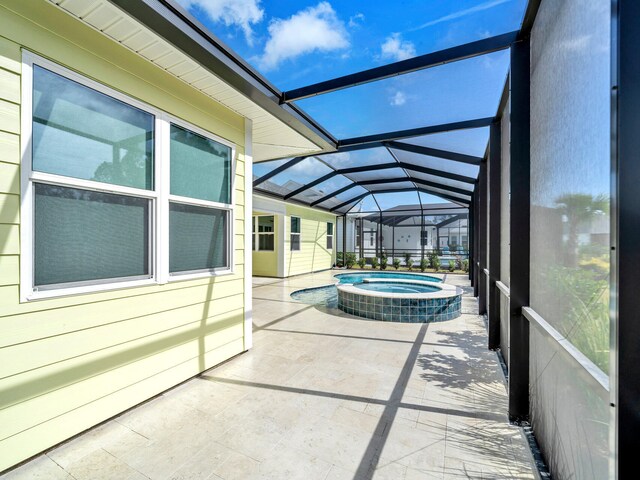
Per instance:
(374,262)
(465,265)
(338,259)
(362,262)
(424,263)
(407,260)
(384,262)
(435,263)
(433,259)
(452,265)
(351,259)
(396,263)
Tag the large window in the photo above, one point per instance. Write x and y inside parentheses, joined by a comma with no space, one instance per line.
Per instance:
(329,236)
(264,233)
(105,204)
(200,191)
(295,233)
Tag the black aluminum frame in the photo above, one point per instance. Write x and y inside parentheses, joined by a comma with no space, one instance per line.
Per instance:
(519,232)
(624,373)
(429,60)
(495,204)
(483,214)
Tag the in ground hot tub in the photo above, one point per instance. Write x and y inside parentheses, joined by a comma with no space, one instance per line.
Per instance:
(400,300)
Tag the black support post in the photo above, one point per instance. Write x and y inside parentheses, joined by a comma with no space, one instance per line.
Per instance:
(625,238)
(495,182)
(472,239)
(519,229)
(476,235)
(380,238)
(421,235)
(482,239)
(344,240)
(393,240)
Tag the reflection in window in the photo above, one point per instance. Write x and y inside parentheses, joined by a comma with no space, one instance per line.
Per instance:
(264,229)
(329,236)
(81,133)
(200,167)
(82,236)
(295,233)
(197,238)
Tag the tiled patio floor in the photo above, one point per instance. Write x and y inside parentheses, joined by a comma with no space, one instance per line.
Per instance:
(320,396)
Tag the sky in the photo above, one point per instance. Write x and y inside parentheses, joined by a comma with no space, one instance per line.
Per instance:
(301,42)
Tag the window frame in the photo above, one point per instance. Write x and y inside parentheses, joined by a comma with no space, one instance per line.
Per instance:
(257,233)
(292,233)
(158,197)
(166,188)
(332,236)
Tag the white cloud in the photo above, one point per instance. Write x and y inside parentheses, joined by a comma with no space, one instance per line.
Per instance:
(241,13)
(356,20)
(312,29)
(398,99)
(340,160)
(397,49)
(462,13)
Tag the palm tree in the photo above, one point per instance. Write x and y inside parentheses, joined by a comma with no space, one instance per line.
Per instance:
(579,209)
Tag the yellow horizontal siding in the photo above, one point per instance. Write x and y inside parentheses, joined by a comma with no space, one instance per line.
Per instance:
(82,379)
(9,178)
(9,148)
(313,254)
(69,363)
(9,208)
(38,324)
(9,86)
(10,56)
(39,353)
(9,242)
(9,270)
(9,117)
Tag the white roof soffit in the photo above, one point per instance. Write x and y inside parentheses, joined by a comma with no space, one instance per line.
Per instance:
(166,35)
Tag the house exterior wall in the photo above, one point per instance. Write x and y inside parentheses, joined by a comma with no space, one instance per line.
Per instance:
(69,363)
(313,254)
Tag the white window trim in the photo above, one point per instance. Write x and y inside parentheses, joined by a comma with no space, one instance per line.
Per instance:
(299,234)
(257,234)
(230,269)
(159,198)
(333,237)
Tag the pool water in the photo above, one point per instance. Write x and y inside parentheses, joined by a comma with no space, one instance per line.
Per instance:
(327,296)
(396,287)
(360,277)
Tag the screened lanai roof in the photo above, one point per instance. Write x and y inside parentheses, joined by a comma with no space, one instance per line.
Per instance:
(406,131)
(340,181)
(437,151)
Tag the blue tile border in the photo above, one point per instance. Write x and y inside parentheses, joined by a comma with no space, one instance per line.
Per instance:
(406,310)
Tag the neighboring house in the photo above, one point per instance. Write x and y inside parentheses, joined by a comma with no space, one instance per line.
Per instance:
(400,229)
(126,144)
(291,239)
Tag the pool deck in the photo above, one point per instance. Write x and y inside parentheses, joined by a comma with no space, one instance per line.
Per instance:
(320,396)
